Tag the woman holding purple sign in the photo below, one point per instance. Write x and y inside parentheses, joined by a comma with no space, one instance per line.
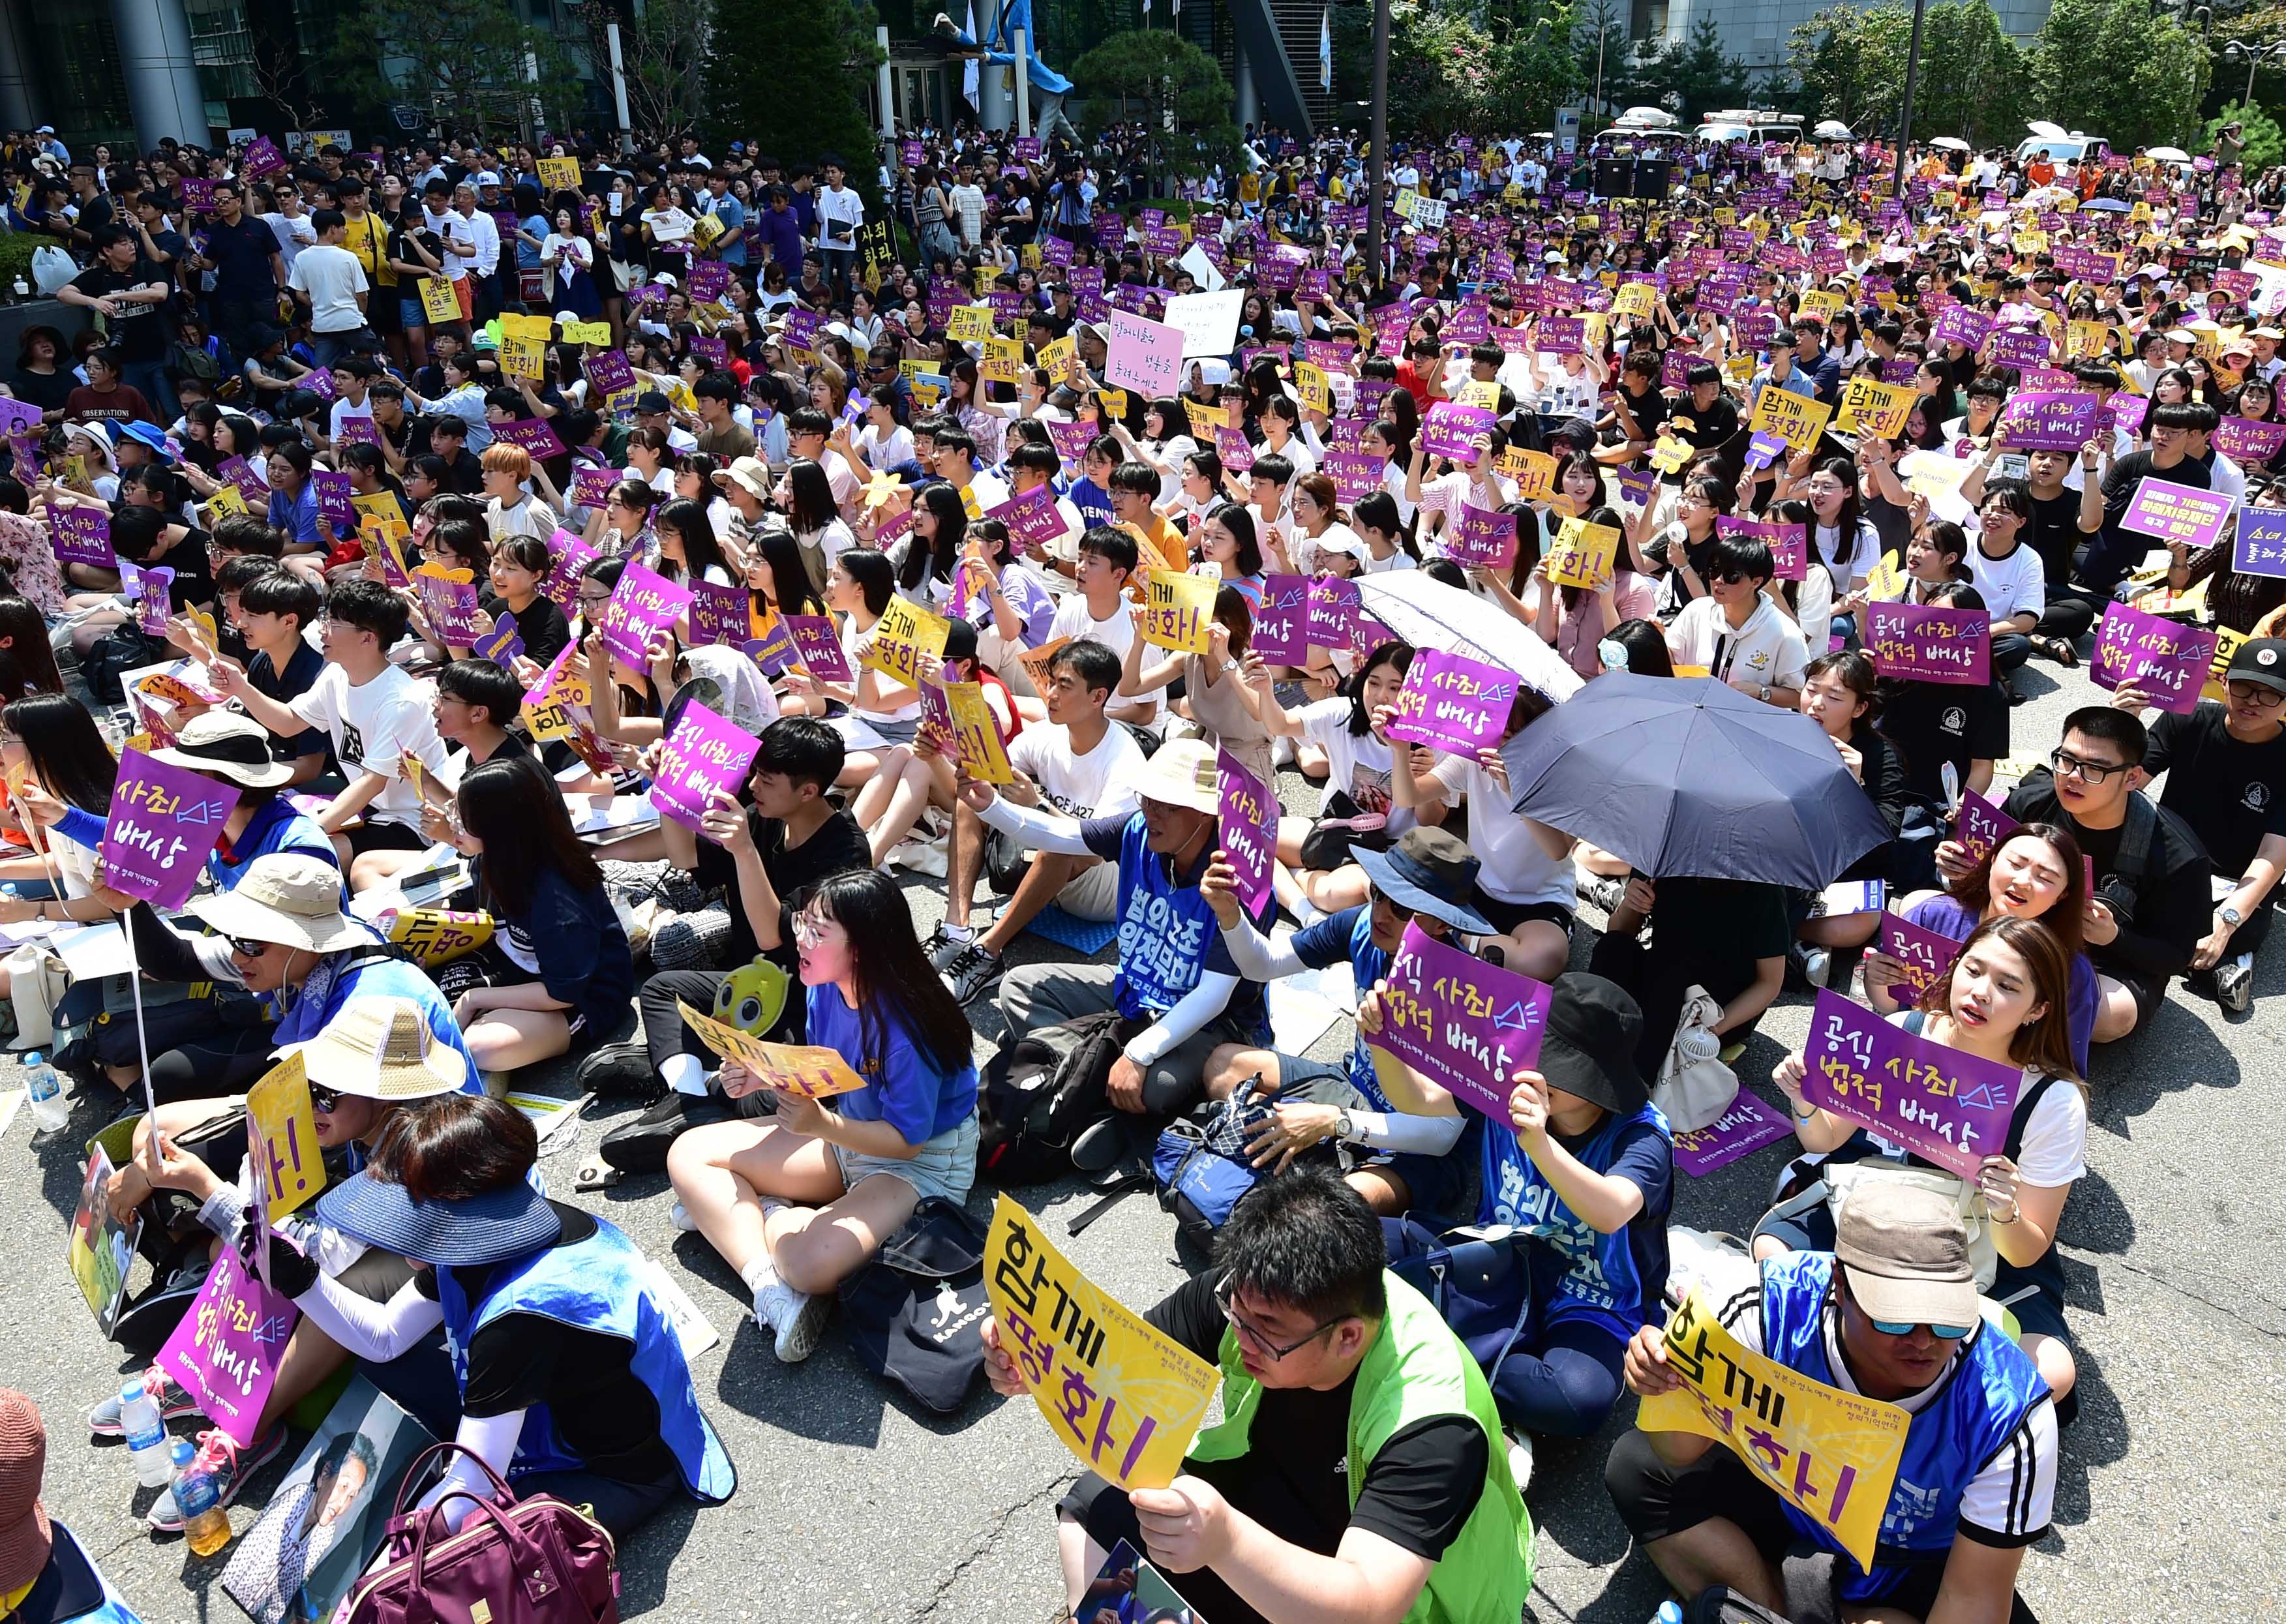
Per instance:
(2003,1000)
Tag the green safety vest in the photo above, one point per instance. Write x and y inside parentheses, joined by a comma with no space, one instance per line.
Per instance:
(1416,1369)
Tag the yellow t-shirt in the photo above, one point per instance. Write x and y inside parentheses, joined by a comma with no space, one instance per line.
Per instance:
(367,237)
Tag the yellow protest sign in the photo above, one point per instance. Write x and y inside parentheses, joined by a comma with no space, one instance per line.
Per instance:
(1205,420)
(2227,646)
(1831,1455)
(1533,472)
(438,301)
(1668,454)
(588,333)
(1885,583)
(1484,396)
(436,936)
(1123,1398)
(1002,360)
(559,174)
(520,357)
(229,499)
(1796,419)
(971,503)
(1869,406)
(1822,303)
(553,720)
(978,733)
(1113,403)
(1310,383)
(806,1071)
(899,638)
(969,324)
(985,276)
(1036,661)
(706,229)
(1581,553)
(1178,609)
(282,1135)
(1055,357)
(1635,301)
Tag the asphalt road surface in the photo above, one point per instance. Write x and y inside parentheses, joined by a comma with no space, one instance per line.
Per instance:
(855,1504)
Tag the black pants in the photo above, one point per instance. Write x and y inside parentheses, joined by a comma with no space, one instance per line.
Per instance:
(664,1034)
(2068,616)
(1657,980)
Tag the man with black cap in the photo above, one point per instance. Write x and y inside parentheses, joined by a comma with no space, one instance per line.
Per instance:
(1892,1314)
(2226,768)
(1583,1166)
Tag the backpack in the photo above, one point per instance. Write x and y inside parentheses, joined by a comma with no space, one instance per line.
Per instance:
(122,648)
(1202,1165)
(913,1313)
(1039,1091)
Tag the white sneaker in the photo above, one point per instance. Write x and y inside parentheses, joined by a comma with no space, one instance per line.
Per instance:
(798,1319)
(1520,1456)
(679,1217)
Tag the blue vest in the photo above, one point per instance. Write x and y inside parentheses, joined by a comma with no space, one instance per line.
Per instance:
(596,1285)
(1990,1388)
(1164,931)
(1602,1281)
(1368,966)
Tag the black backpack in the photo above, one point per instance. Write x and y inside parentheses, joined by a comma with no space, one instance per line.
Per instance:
(1039,1092)
(915,1313)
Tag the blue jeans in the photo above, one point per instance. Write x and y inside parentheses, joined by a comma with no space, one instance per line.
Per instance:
(330,347)
(149,377)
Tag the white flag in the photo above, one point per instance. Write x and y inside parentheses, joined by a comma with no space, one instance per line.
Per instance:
(1326,49)
(968,73)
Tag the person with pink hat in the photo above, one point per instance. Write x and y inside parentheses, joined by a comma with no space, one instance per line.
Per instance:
(46,1576)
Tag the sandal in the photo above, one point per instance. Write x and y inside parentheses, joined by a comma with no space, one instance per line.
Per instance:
(2059,650)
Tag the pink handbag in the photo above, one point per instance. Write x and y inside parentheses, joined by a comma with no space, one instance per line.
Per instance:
(536,1561)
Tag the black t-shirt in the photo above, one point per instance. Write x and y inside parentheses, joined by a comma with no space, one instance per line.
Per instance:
(542,627)
(2162,915)
(1649,409)
(838,846)
(302,671)
(139,330)
(2230,793)
(47,390)
(1419,1489)
(603,1412)
(2055,535)
(193,582)
(1709,430)
(1931,723)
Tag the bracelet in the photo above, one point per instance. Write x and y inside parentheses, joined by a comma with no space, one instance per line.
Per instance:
(1803,1115)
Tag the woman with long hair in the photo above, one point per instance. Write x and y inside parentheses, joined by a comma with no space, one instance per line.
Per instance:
(619,526)
(2001,1000)
(52,740)
(28,661)
(1573,621)
(776,577)
(689,549)
(797,1204)
(814,517)
(927,558)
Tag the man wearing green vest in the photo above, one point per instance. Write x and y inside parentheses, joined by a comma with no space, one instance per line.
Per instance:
(1357,1477)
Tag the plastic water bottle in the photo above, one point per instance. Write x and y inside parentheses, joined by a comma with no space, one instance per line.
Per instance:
(147,1444)
(1669,1613)
(206,1525)
(44,1091)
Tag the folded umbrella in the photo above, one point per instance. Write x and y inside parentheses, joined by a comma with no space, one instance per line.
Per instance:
(1687,776)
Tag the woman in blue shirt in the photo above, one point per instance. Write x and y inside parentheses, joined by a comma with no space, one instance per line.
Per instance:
(293,500)
(799,1202)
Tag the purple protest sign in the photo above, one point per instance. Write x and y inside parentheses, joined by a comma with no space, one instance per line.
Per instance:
(18,417)
(2166,659)
(1281,620)
(534,434)
(501,644)
(1449,428)
(1033,517)
(1233,447)
(591,487)
(1943,1105)
(333,494)
(610,372)
(719,614)
(151,591)
(163,821)
(1956,324)
(644,603)
(2177,512)
(1454,704)
(818,646)
(1745,1126)
(225,1350)
(2046,421)
(710,280)
(196,193)
(1789,544)
(2018,346)
(2123,411)
(1764,448)
(1925,954)
(2260,548)
(567,555)
(245,476)
(1982,825)
(260,157)
(1467,1026)
(1248,828)
(83,535)
(1481,539)
(359,431)
(2243,440)
(1335,606)
(1929,643)
(705,756)
(452,606)
(1357,474)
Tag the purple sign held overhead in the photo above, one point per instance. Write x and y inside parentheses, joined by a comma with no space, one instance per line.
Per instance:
(818,646)
(1467,1026)
(1925,954)
(2050,420)
(2166,659)
(163,821)
(1481,539)
(1452,702)
(643,604)
(534,434)
(1943,1105)
(1450,427)
(705,756)
(225,1350)
(719,614)
(83,535)
(1930,643)
(1281,620)
(1789,544)
(1247,818)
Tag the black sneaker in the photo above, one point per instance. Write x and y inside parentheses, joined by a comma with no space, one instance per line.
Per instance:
(618,1071)
(2234,984)
(972,972)
(943,947)
(641,1146)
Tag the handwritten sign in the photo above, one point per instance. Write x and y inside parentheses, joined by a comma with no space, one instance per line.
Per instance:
(1925,954)
(1945,1106)
(83,535)
(164,821)
(1745,1125)
(283,1132)
(818,646)
(1452,702)
(1930,643)
(2165,658)
(1467,1026)
(2177,512)
(1581,553)
(1179,612)
(225,1350)
(705,755)
(808,1072)
(1142,355)
(643,604)
(438,301)
(1829,1454)
(1124,1398)
(1246,826)
(903,632)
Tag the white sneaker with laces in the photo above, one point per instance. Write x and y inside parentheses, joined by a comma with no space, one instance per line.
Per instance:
(679,1217)
(797,1318)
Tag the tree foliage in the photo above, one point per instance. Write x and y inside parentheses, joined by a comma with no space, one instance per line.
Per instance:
(2266,143)
(1498,70)
(1126,77)
(1691,79)
(792,77)
(662,47)
(1850,64)
(468,64)
(2120,70)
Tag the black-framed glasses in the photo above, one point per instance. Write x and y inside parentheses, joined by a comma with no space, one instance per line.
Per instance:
(2086,772)
(1728,578)
(324,1099)
(2257,695)
(1225,1300)
(244,948)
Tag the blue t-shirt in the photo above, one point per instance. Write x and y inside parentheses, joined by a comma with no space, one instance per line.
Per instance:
(1168,936)
(905,1087)
(527,254)
(732,213)
(1348,935)
(298,517)
(1092,501)
(1577,1273)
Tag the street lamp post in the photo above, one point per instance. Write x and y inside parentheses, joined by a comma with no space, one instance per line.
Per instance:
(2252,55)
(1377,166)
(1905,122)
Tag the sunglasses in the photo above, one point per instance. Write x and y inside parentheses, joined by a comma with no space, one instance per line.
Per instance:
(324,1099)
(1943,1333)
(244,948)
(1731,577)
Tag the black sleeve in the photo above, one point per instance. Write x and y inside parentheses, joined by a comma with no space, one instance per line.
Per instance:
(2174,909)
(1988,728)
(511,1363)
(1191,1316)
(1425,1483)
(1103,835)
(2165,738)
(160,950)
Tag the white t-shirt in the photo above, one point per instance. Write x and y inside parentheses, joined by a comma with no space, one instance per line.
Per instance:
(2016,584)
(1100,784)
(1514,869)
(333,278)
(1073,620)
(343,410)
(1359,764)
(1768,649)
(374,727)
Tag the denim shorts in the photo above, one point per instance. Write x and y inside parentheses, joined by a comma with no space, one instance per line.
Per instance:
(946,1165)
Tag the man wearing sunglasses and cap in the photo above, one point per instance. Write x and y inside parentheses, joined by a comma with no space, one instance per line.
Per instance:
(1891,1313)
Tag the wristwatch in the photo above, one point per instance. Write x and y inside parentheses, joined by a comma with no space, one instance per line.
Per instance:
(1766,693)
(1343,1129)
(2230,916)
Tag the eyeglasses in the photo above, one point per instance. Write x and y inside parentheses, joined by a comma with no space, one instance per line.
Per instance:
(2258,696)
(1730,578)
(1224,1300)
(324,1099)
(1943,1333)
(809,930)
(244,948)
(2086,772)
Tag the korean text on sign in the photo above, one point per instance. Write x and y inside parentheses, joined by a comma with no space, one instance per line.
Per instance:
(226,1349)
(1124,1399)
(1452,702)
(2166,659)
(1466,1026)
(1945,1106)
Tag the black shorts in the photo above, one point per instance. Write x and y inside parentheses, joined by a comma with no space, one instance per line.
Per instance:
(384,313)
(370,836)
(2146,993)
(1507,916)
(491,966)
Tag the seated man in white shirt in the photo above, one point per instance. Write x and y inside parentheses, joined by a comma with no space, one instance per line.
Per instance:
(1733,632)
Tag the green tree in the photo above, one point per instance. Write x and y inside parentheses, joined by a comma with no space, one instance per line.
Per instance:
(2121,70)
(1599,38)
(662,47)
(2266,143)
(1127,77)
(1849,63)
(1971,78)
(1694,72)
(1507,68)
(792,77)
(469,64)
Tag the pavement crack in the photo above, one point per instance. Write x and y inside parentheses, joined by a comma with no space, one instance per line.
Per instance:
(1054,1490)
(2170,1282)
